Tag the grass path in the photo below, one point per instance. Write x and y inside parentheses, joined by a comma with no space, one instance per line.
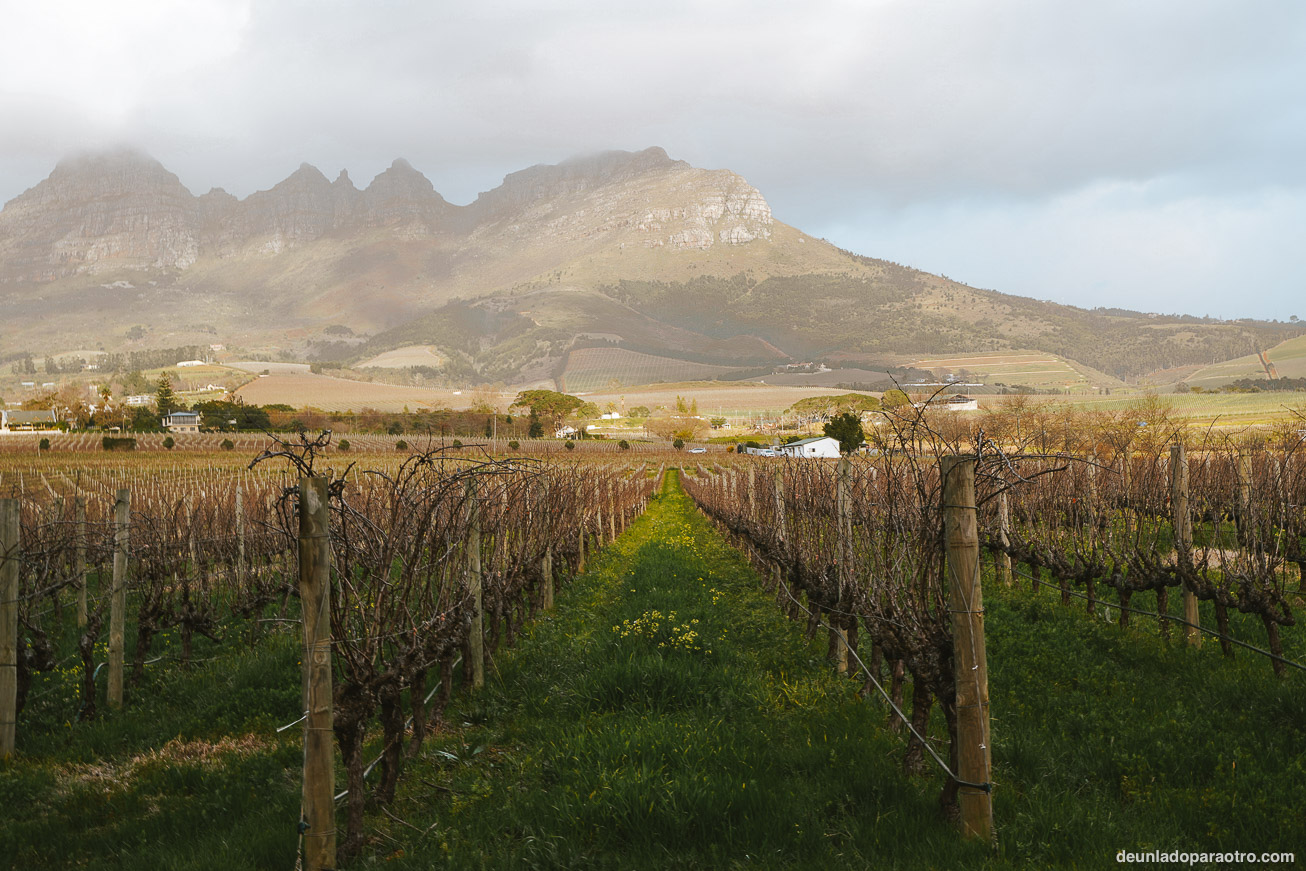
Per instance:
(666,715)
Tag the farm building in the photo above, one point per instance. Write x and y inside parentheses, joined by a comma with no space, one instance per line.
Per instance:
(819,446)
(27,421)
(182,421)
(952,403)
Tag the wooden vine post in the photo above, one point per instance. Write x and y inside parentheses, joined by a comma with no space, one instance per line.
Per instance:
(122,507)
(476,635)
(1244,515)
(843,502)
(1003,562)
(781,526)
(240,536)
(1183,536)
(79,557)
(9,555)
(318,826)
(547,598)
(970,664)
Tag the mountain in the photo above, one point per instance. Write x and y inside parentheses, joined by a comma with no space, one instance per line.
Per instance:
(630,251)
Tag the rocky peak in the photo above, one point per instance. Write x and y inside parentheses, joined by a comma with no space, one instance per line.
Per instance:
(302,207)
(577,175)
(97,212)
(403,196)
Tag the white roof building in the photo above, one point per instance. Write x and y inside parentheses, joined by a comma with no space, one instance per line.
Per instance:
(819,446)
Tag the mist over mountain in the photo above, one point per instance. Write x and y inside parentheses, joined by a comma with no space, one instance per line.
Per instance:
(629,250)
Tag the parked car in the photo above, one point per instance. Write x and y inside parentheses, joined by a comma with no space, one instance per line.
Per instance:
(698,450)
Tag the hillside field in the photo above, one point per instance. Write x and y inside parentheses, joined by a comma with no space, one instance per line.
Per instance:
(1289,358)
(593,369)
(1034,369)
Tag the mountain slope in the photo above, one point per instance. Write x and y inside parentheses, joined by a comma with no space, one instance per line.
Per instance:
(633,250)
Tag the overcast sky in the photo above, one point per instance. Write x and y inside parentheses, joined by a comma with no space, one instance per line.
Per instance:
(1141,153)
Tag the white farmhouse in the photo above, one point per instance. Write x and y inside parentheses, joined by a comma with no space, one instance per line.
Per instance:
(819,446)
(182,421)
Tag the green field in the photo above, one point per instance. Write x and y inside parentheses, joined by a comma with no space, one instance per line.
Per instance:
(1289,358)
(1032,368)
(1219,409)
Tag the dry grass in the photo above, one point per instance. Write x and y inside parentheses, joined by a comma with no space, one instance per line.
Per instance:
(593,368)
(409,355)
(107,775)
(339,394)
(728,397)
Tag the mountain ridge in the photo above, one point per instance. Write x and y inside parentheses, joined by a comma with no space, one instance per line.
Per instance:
(633,249)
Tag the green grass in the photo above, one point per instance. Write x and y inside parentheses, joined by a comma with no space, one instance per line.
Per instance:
(189,775)
(606,743)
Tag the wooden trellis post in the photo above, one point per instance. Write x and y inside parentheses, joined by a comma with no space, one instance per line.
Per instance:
(843,502)
(970,663)
(319,823)
(79,557)
(9,555)
(122,507)
(476,638)
(547,598)
(781,529)
(1003,562)
(1183,536)
(1243,517)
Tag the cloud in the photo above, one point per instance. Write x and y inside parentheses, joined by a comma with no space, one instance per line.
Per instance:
(1155,246)
(838,111)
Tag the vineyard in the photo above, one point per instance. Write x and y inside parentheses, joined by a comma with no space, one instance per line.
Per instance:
(401,583)
(865,551)
(436,561)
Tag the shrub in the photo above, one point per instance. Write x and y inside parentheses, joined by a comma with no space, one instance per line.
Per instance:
(344,445)
(678,443)
(44,445)
(114,443)
(624,445)
(514,445)
(228,445)
(456,444)
(570,445)
(401,445)
(169,443)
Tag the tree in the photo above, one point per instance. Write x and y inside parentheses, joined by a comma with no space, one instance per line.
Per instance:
(677,427)
(548,405)
(231,416)
(135,384)
(143,419)
(678,443)
(165,400)
(846,428)
(534,429)
(825,407)
(70,406)
(895,398)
